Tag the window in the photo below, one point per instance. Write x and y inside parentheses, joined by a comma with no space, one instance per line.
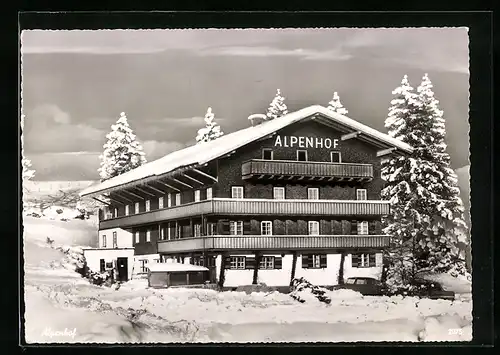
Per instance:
(115,240)
(279,193)
(177,199)
(127,210)
(197,195)
(237,192)
(105,213)
(115,212)
(211,229)
(363,260)
(169,232)
(148,235)
(148,205)
(313,227)
(266,228)
(313,193)
(301,155)
(267,262)
(137,237)
(363,228)
(143,266)
(237,262)
(169,200)
(197,230)
(361,194)
(104,241)
(160,202)
(236,227)
(137,207)
(267,154)
(102,265)
(316,261)
(162,233)
(335,157)
(209,193)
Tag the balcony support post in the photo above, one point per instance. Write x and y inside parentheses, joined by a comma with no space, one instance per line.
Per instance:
(258,256)
(294,266)
(222,270)
(341,268)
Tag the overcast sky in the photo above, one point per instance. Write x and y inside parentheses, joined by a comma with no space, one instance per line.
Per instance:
(76,83)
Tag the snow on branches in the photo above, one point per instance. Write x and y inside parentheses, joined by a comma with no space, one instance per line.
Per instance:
(336,106)
(211,131)
(277,108)
(426,220)
(122,151)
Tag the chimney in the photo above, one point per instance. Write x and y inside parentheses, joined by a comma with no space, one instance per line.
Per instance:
(256,119)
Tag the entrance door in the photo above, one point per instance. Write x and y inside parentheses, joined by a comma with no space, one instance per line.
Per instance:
(122,265)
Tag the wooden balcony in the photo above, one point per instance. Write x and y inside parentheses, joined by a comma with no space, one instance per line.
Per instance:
(308,170)
(253,207)
(276,242)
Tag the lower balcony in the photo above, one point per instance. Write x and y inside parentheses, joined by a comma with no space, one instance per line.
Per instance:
(253,207)
(275,242)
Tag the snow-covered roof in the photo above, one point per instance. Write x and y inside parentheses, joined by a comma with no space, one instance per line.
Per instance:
(200,154)
(169,267)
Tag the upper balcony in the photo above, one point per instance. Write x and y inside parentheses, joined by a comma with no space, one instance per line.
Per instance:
(275,242)
(253,207)
(310,170)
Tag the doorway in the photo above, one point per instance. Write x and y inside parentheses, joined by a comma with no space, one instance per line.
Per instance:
(122,266)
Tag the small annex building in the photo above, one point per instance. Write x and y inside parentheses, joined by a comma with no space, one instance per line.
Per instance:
(176,274)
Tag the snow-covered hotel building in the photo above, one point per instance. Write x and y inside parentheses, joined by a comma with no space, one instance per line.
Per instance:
(280,199)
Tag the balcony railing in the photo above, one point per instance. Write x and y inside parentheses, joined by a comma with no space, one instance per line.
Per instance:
(253,207)
(311,170)
(276,242)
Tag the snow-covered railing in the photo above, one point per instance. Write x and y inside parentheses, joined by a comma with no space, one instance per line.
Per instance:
(255,207)
(275,242)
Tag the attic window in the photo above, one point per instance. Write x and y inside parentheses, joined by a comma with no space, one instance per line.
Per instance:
(301,155)
(335,157)
(267,154)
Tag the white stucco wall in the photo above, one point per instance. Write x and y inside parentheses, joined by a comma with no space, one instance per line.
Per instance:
(124,238)
(327,276)
(151,258)
(94,256)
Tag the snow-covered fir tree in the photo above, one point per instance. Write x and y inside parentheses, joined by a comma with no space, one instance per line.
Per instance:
(211,131)
(336,106)
(414,185)
(277,108)
(444,248)
(122,151)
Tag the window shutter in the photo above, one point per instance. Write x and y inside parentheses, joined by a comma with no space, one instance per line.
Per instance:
(305,261)
(378,227)
(227,262)
(371,260)
(322,261)
(346,227)
(247,227)
(336,227)
(355,259)
(278,262)
(249,262)
(372,227)
(354,227)
(224,227)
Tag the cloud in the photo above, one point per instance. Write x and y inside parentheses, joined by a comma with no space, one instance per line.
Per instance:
(49,129)
(249,51)
(64,166)
(155,150)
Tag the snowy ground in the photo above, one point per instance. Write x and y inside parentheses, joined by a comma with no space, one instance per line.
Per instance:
(63,307)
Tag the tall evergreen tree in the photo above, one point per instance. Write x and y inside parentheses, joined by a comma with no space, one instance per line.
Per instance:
(445,246)
(122,151)
(414,185)
(336,106)
(211,131)
(277,108)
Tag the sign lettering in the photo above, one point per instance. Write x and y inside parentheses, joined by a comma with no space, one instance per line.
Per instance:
(305,142)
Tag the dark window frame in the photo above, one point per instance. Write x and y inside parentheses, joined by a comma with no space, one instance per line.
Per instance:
(264,150)
(302,151)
